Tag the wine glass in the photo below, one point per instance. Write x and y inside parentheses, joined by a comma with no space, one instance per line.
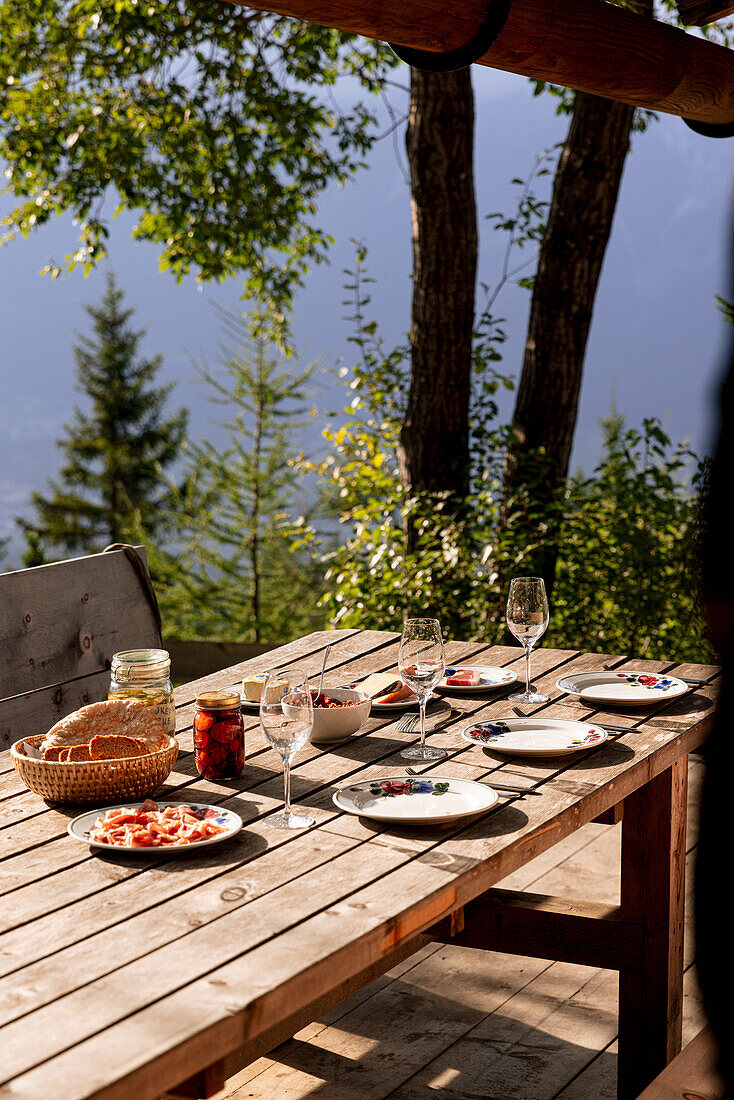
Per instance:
(421,664)
(527,619)
(286,719)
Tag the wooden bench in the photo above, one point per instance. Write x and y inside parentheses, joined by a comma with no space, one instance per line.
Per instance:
(691,1075)
(60,625)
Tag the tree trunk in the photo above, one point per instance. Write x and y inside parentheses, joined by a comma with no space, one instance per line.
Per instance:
(582,208)
(434,440)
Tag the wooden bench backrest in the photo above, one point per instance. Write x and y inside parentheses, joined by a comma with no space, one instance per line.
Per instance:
(59,626)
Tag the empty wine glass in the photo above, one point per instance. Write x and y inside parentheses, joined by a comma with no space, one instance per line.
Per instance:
(421,664)
(527,619)
(286,719)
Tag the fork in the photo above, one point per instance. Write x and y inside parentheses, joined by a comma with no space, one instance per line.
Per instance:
(407,723)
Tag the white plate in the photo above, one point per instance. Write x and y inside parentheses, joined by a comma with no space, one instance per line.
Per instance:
(535,736)
(622,689)
(244,703)
(426,800)
(491,677)
(81,826)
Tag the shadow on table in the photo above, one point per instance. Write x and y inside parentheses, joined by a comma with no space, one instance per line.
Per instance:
(684,705)
(502,819)
(353,748)
(592,759)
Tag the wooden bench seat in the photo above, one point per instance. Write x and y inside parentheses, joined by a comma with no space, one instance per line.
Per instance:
(691,1075)
(60,625)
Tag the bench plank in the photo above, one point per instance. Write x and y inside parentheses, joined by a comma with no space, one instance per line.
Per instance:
(691,1075)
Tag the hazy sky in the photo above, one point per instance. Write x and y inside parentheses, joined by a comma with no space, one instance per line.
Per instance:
(656,337)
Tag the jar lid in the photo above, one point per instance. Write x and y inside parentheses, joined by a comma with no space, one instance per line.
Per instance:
(140,664)
(218,700)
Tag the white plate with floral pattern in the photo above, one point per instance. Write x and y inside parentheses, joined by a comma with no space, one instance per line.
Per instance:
(623,689)
(227,820)
(420,800)
(490,677)
(535,736)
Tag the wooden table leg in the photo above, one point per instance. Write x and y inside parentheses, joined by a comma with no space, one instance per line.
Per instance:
(653,894)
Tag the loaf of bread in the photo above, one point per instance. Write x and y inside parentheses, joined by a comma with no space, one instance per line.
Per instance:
(127,718)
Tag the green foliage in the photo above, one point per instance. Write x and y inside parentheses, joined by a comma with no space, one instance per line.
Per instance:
(114,454)
(237,573)
(215,123)
(627,579)
(371,578)
(34,553)
(726,308)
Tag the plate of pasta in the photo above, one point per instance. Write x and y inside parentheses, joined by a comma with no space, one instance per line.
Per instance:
(150,828)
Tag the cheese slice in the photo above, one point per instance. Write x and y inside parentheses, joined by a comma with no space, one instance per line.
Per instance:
(380,683)
(252,688)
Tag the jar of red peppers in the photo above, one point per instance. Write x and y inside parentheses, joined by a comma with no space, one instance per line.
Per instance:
(219,735)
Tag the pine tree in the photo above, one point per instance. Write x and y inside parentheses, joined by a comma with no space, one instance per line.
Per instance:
(237,575)
(115,453)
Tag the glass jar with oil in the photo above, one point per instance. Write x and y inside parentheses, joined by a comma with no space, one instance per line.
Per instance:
(145,674)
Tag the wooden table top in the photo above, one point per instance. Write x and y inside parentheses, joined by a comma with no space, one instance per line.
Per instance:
(122,975)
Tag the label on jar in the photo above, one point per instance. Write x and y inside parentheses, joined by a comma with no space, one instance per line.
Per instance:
(165,712)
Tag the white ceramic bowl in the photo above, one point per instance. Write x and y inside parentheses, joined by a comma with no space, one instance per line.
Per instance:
(336,723)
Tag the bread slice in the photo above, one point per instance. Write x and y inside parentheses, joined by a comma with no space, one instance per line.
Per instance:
(76,752)
(53,752)
(116,747)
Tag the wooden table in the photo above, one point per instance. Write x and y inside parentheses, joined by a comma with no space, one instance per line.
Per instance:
(124,976)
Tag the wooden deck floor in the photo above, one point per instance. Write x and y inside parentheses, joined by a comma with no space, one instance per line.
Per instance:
(478,1025)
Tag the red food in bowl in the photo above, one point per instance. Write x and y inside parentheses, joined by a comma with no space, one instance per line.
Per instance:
(328,701)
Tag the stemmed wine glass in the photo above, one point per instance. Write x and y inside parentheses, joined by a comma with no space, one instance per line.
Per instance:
(286,719)
(527,619)
(421,664)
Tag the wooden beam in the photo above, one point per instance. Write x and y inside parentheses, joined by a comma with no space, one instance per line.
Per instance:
(202,1085)
(697,13)
(544,927)
(612,816)
(588,45)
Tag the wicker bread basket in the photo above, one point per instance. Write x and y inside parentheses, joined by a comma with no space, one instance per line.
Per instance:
(99,781)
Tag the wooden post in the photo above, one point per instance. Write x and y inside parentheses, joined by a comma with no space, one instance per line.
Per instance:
(653,894)
(587,45)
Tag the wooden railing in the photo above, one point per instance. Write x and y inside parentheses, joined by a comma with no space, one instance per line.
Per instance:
(191,660)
